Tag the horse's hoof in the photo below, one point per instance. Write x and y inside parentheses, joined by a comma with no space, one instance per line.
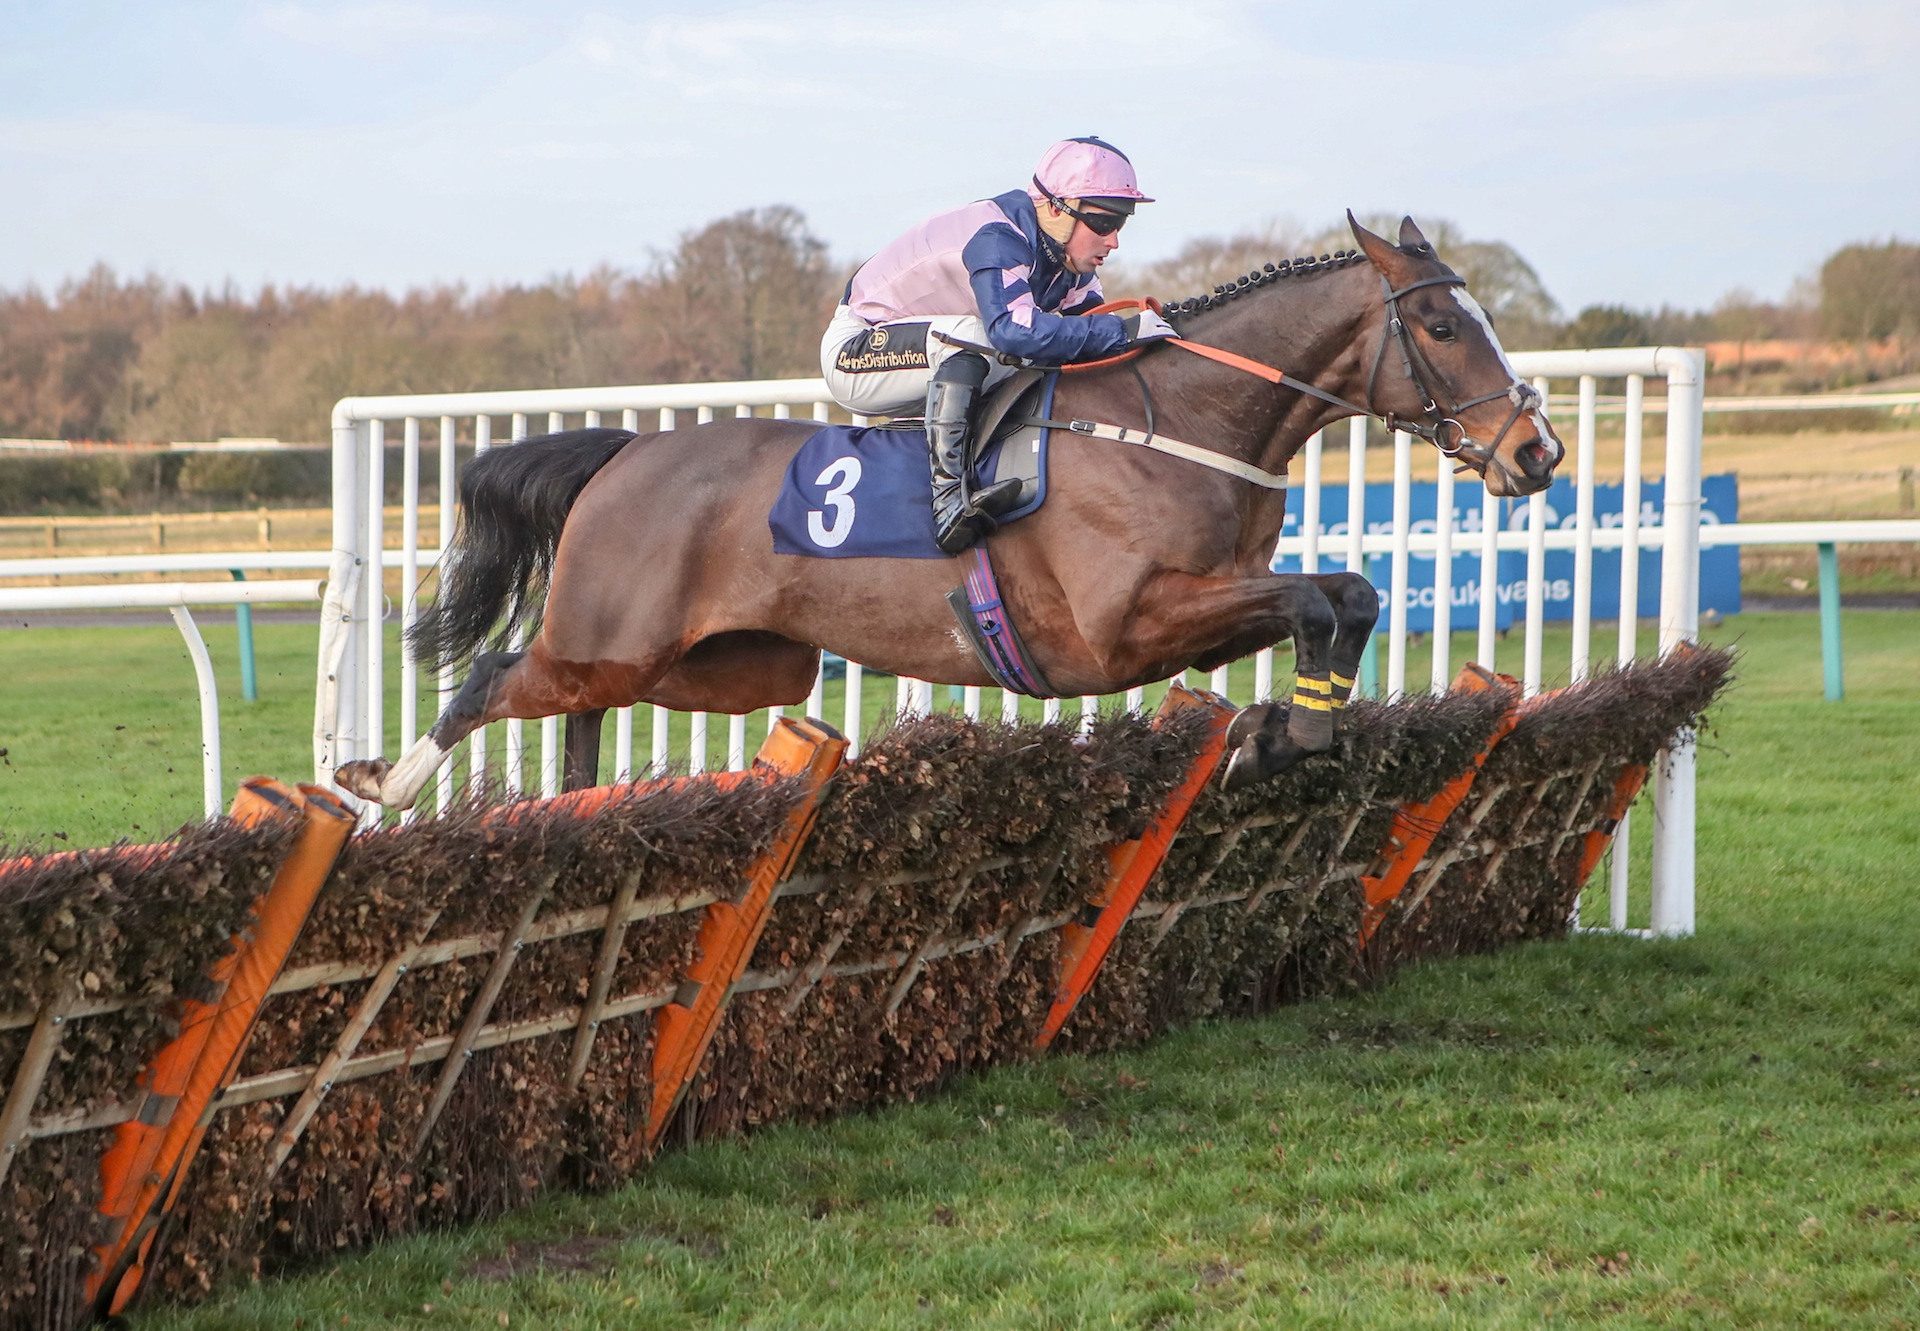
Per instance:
(1242,771)
(1249,722)
(1261,758)
(363,777)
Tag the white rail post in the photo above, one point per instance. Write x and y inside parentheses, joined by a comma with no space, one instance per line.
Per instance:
(409,577)
(1673,790)
(1398,575)
(1532,667)
(550,774)
(1619,871)
(443,692)
(1583,533)
(1486,644)
(662,732)
(516,749)
(373,586)
(1357,528)
(1441,673)
(477,741)
(850,713)
(337,732)
(210,795)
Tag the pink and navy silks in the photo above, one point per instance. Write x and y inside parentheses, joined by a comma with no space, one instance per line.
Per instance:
(860,492)
(990,258)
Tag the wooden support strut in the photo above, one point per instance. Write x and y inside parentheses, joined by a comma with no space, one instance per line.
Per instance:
(608,959)
(1416,825)
(1131,864)
(145,1166)
(505,954)
(684,1028)
(15,1114)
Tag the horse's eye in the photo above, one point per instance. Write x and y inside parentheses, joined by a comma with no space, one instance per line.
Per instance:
(1442,332)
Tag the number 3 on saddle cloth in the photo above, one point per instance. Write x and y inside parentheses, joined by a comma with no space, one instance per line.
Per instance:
(854,492)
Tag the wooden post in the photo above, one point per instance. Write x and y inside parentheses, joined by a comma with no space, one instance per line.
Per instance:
(42,1044)
(684,1028)
(1416,825)
(1626,787)
(144,1168)
(1084,944)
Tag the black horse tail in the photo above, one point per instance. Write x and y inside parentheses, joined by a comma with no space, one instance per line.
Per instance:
(513,503)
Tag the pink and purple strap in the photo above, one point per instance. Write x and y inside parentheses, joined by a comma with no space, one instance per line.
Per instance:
(1002,653)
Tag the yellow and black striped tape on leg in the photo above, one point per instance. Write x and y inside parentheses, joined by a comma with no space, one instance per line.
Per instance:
(1342,690)
(1315,693)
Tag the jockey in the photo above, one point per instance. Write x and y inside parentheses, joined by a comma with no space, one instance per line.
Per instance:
(998,273)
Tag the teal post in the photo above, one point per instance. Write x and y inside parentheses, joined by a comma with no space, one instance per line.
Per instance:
(1369,683)
(243,623)
(1830,621)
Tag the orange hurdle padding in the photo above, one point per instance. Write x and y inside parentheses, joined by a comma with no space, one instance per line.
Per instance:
(1416,825)
(730,929)
(144,1168)
(1626,788)
(1130,864)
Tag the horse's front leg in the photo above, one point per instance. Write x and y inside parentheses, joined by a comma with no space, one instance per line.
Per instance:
(1223,619)
(1356,609)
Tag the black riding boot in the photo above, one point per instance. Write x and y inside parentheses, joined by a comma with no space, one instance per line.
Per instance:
(961,514)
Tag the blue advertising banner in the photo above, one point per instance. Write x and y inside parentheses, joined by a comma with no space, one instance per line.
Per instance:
(1719,568)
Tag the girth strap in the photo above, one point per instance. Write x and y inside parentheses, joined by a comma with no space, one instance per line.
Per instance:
(989,629)
(1159,443)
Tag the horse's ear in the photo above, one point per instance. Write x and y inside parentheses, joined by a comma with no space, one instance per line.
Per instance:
(1411,240)
(1377,248)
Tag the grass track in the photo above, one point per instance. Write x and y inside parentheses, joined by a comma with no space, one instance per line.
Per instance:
(1721,1131)
(99,727)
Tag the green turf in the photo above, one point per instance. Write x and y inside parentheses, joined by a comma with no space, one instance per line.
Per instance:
(1720,1131)
(99,737)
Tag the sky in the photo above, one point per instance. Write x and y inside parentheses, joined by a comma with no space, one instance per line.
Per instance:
(1636,153)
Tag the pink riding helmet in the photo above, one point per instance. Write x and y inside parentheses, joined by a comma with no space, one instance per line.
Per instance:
(1088,168)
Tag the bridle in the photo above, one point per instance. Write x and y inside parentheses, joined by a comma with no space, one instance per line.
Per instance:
(1441,428)
(1424,375)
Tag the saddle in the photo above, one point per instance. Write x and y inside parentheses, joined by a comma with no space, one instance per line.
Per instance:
(1007,444)
(861,491)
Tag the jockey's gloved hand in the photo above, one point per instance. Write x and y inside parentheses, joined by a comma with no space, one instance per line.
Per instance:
(1146,326)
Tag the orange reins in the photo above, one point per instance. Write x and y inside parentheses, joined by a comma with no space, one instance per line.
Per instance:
(1257,368)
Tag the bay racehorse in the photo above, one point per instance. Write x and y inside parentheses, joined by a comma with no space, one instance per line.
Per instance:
(661,584)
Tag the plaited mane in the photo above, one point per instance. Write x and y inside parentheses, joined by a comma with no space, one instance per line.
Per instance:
(1304,266)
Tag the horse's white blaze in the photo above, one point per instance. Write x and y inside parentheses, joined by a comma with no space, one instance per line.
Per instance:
(1464,298)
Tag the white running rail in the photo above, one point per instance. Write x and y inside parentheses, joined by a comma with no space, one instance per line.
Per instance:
(177,598)
(351,719)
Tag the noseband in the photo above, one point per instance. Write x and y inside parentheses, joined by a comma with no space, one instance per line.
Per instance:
(1441,422)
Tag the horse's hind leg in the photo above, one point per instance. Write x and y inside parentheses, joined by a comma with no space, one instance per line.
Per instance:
(583,749)
(527,684)
(397,785)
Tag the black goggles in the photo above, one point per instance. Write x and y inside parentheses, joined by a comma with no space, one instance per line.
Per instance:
(1101,223)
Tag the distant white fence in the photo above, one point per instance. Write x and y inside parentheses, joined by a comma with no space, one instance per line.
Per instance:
(177,598)
(1899,404)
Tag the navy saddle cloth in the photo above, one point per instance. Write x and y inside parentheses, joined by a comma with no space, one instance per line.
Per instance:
(862,491)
